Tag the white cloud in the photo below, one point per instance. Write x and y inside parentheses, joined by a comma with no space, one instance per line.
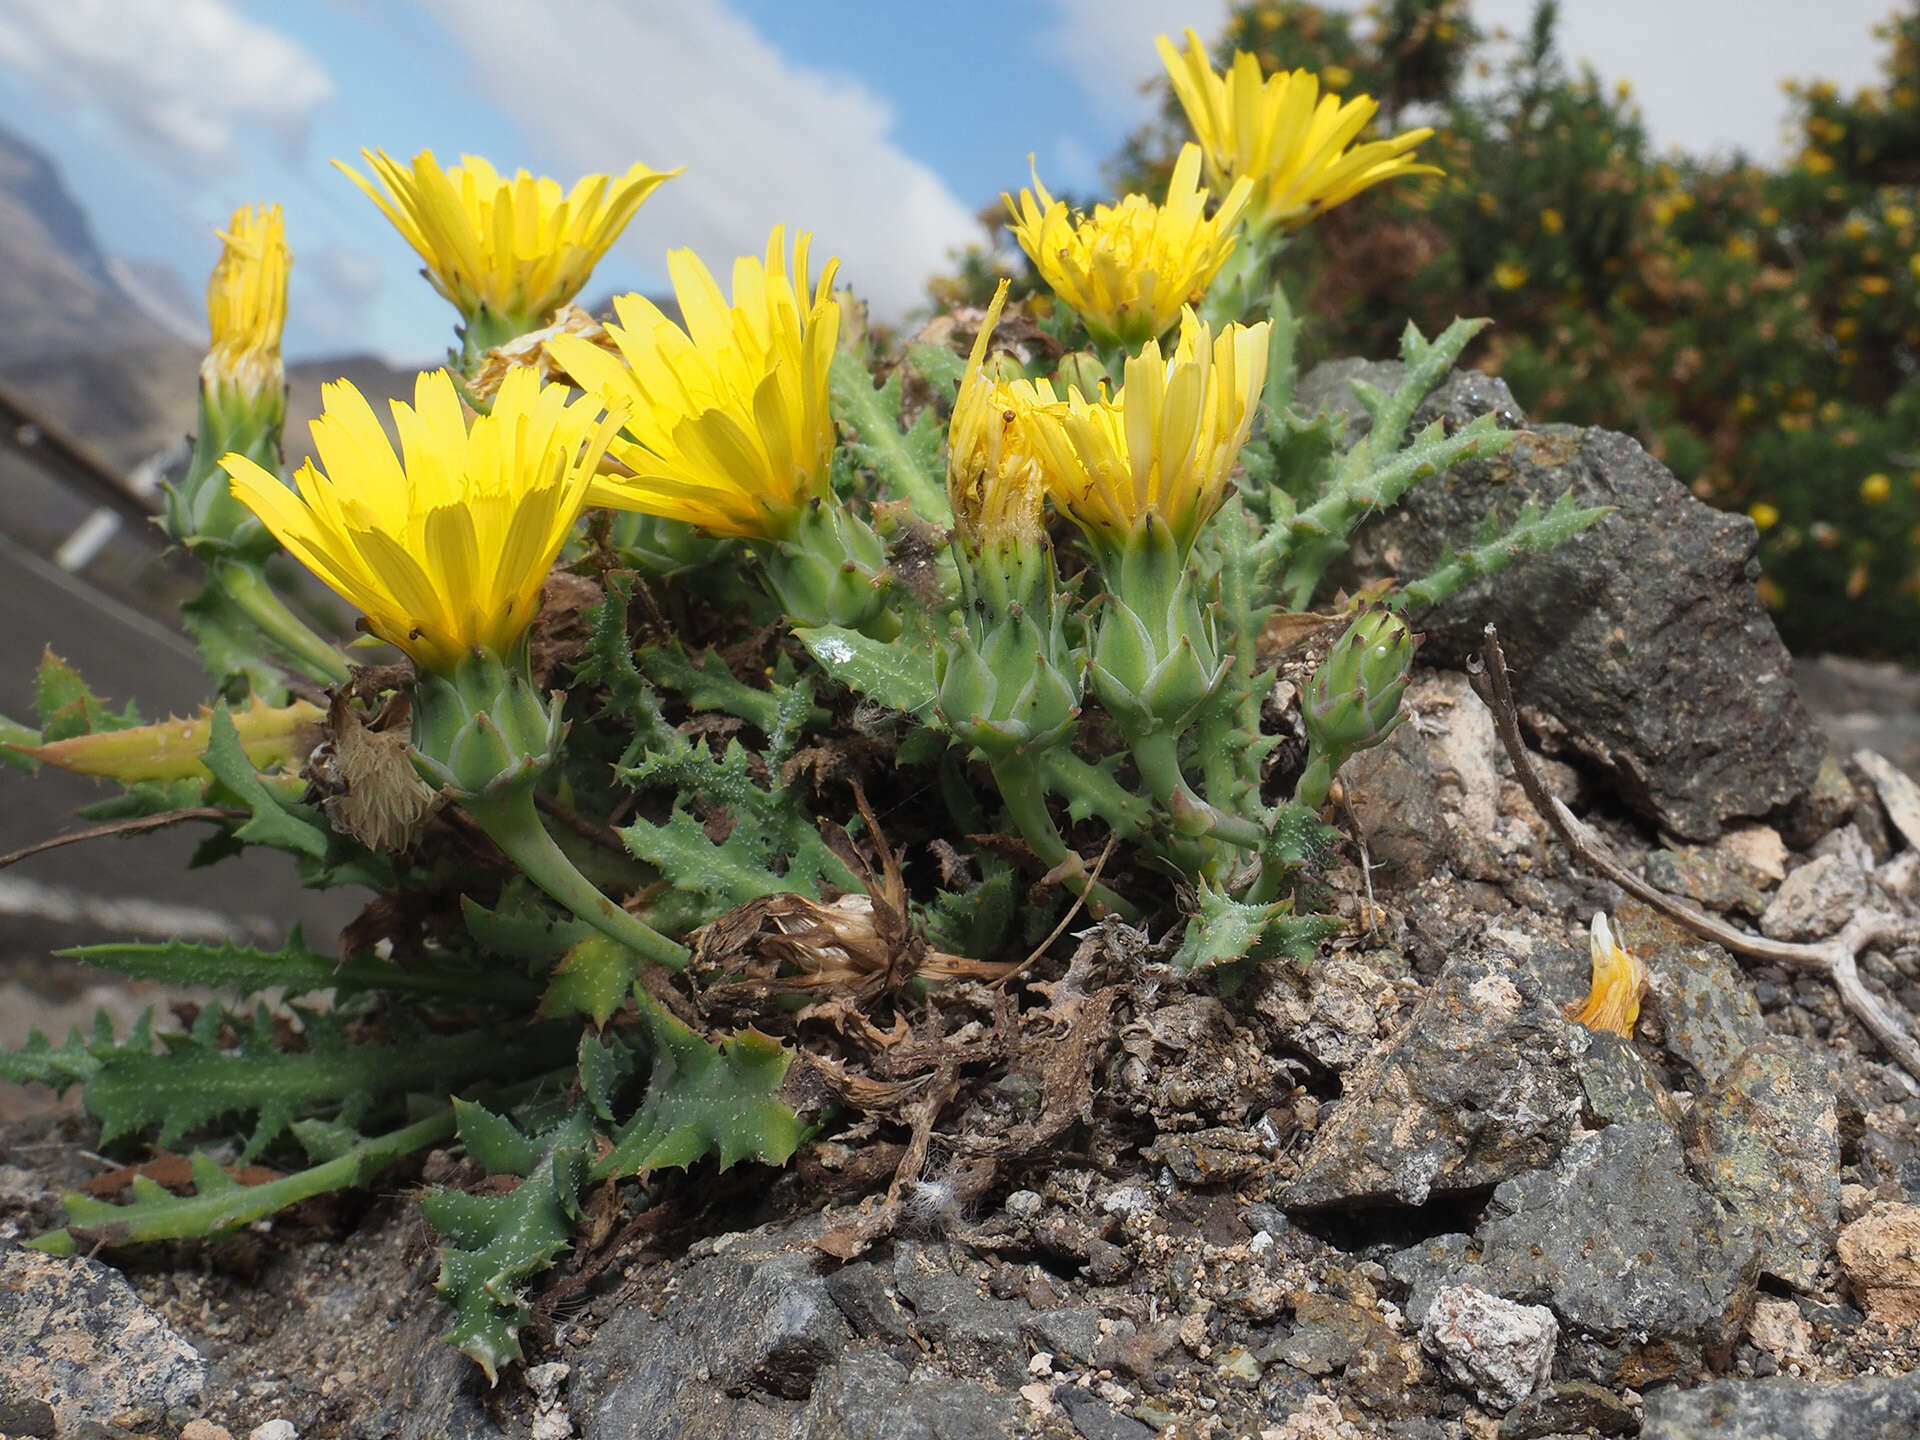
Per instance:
(178,79)
(688,82)
(1107,45)
(1710,81)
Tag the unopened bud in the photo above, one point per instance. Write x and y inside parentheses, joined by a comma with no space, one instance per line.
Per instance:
(1352,703)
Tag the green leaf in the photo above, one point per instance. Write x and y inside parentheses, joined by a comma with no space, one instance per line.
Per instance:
(977,922)
(498,1242)
(608,665)
(12,733)
(1530,534)
(704,1097)
(293,967)
(771,845)
(493,1140)
(591,980)
(1223,930)
(897,676)
(276,822)
(523,925)
(940,366)
(907,465)
(68,708)
(709,685)
(605,1065)
(39,1062)
(233,648)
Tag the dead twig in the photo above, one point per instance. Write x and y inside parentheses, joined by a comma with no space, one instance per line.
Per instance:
(1835,958)
(122,827)
(1093,879)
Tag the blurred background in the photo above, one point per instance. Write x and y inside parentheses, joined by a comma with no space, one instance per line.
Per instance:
(1692,220)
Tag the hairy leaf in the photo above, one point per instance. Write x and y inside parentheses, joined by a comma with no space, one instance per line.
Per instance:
(897,676)
(907,464)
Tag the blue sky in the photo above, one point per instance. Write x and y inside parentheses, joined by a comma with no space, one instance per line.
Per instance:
(882,126)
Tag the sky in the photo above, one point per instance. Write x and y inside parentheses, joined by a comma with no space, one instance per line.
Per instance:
(883,126)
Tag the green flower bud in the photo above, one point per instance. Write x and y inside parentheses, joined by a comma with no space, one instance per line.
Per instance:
(829,569)
(1352,703)
(1006,679)
(484,729)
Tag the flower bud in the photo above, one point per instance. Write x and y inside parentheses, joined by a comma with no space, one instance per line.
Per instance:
(483,729)
(1352,703)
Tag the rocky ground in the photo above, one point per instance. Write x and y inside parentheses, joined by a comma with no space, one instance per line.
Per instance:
(1392,1193)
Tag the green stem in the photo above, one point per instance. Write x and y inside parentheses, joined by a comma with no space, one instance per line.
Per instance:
(254,598)
(1157,755)
(1316,781)
(1090,789)
(224,1208)
(513,824)
(1025,796)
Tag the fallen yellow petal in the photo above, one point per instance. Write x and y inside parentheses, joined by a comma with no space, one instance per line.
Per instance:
(1619,980)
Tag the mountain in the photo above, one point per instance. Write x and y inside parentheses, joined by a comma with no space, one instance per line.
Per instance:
(109,349)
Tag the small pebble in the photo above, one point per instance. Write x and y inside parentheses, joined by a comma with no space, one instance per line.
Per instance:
(274,1430)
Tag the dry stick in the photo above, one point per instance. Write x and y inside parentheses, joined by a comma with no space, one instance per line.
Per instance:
(1835,958)
(1065,920)
(122,827)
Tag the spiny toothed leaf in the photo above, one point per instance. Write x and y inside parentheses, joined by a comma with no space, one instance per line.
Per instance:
(12,734)
(523,925)
(1223,930)
(605,1065)
(40,1062)
(771,844)
(707,684)
(206,1076)
(1530,534)
(977,921)
(592,979)
(906,463)
(897,676)
(293,967)
(608,666)
(704,1097)
(941,367)
(66,706)
(498,1242)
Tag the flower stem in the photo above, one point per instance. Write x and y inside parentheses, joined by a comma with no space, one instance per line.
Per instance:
(1157,755)
(1025,795)
(254,598)
(513,824)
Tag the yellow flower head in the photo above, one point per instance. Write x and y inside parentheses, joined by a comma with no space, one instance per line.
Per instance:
(1166,443)
(995,479)
(1619,981)
(1128,269)
(1280,131)
(443,547)
(728,417)
(514,249)
(247,302)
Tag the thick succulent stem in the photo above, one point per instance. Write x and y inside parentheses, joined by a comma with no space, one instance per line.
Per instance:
(1025,795)
(512,822)
(253,597)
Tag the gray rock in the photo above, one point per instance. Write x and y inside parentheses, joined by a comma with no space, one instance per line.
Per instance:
(1641,644)
(1434,1265)
(1481,1084)
(1712,1017)
(1575,1407)
(1333,1011)
(1815,901)
(1766,1140)
(874,1397)
(1207,1157)
(1094,1419)
(22,1415)
(1873,1408)
(1499,1351)
(1647,1273)
(740,1337)
(865,1297)
(73,1334)
(977,1331)
(1072,1334)
(1709,877)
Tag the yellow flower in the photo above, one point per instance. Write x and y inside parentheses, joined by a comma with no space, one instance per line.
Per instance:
(995,479)
(1764,514)
(444,548)
(1876,488)
(1282,133)
(1128,269)
(1552,221)
(512,250)
(1874,284)
(247,302)
(728,418)
(1619,980)
(1509,276)
(1166,443)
